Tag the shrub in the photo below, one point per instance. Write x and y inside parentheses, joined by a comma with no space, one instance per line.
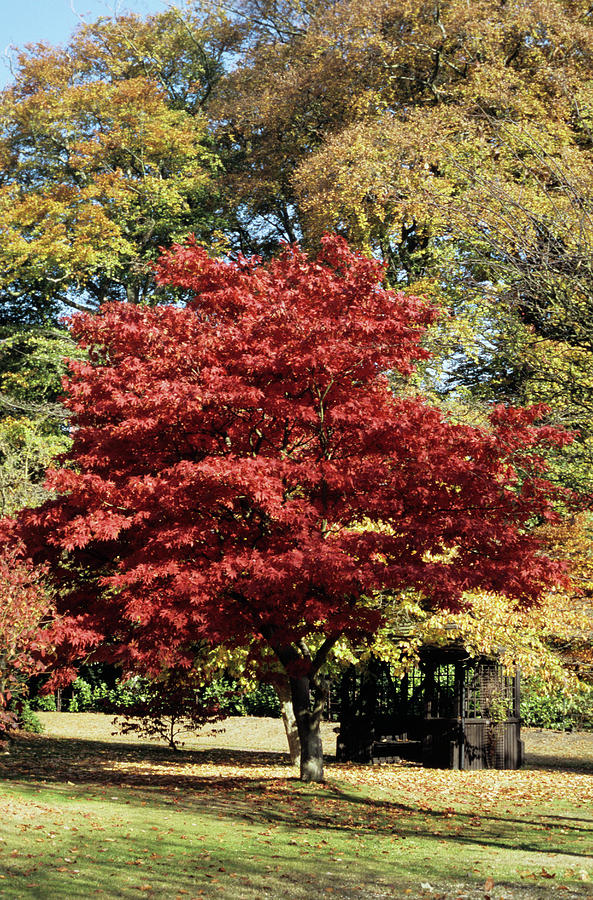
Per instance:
(45,703)
(90,693)
(226,694)
(82,698)
(263,701)
(28,720)
(541,708)
(25,718)
(234,700)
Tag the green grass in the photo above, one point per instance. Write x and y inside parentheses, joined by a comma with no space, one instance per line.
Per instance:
(104,819)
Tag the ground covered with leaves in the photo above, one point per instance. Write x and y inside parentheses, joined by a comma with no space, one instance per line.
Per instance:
(85,813)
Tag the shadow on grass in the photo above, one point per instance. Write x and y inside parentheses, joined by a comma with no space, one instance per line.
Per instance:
(153,776)
(578,765)
(32,750)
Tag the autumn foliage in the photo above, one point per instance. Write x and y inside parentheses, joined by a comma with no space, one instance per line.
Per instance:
(24,608)
(241,468)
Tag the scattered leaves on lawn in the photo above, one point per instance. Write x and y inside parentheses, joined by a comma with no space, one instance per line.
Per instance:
(380,817)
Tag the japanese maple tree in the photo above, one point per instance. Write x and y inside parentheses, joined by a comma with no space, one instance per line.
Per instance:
(240,468)
(168,707)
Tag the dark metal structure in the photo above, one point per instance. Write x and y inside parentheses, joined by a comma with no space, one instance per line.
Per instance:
(450,712)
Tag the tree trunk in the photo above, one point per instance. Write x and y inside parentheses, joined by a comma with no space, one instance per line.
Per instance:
(290,723)
(307,697)
(308,719)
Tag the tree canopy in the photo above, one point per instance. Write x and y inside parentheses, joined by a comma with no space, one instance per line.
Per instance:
(105,156)
(357,114)
(451,142)
(241,468)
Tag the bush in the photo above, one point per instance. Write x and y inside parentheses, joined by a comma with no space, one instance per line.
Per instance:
(556,709)
(45,703)
(225,693)
(26,718)
(235,701)
(263,701)
(82,698)
(91,693)
(100,697)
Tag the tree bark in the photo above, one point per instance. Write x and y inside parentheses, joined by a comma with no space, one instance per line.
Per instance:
(307,697)
(307,703)
(290,723)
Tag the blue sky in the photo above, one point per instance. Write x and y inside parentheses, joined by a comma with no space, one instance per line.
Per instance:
(28,21)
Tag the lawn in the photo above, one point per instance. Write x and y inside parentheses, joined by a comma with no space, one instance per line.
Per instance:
(86,814)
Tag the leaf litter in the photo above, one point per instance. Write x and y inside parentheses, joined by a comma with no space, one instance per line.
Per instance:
(374,809)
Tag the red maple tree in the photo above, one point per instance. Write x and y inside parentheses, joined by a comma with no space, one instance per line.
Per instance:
(25,610)
(241,468)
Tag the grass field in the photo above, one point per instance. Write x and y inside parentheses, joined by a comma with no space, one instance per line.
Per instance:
(85,814)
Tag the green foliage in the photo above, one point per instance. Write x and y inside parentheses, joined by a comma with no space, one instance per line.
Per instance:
(27,448)
(235,700)
(560,710)
(84,697)
(100,697)
(224,691)
(33,428)
(32,364)
(262,701)
(43,703)
(26,718)
(453,142)
(91,695)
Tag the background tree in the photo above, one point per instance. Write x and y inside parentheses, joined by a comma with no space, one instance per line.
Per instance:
(451,142)
(534,342)
(33,424)
(241,469)
(104,156)
(342,116)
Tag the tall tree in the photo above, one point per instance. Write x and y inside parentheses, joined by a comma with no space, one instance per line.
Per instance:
(241,469)
(105,156)
(436,136)
(345,115)
(533,268)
